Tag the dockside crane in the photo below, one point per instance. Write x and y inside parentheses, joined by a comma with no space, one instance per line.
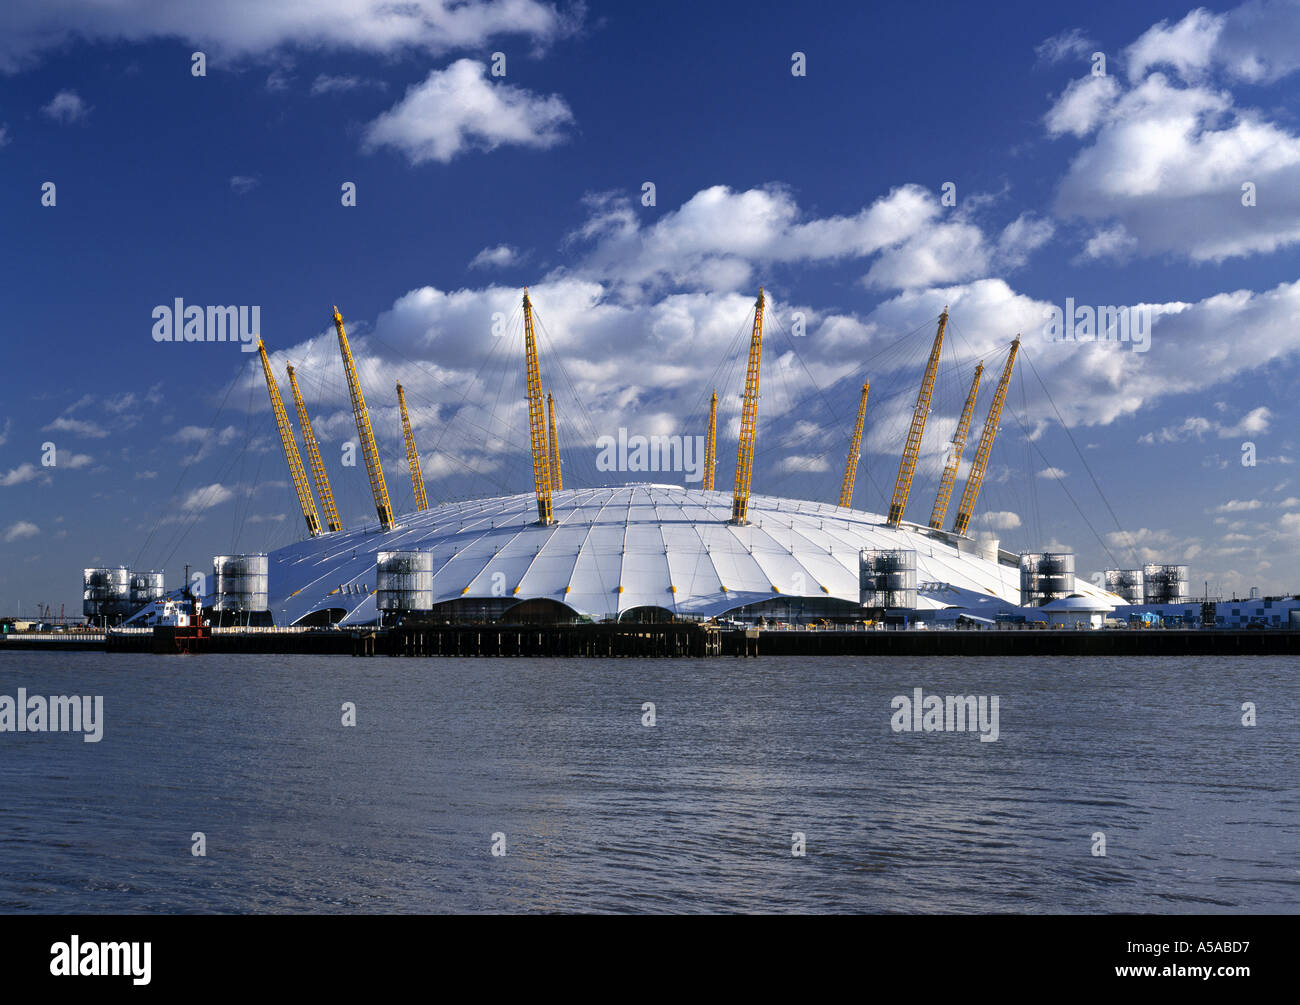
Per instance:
(855,450)
(976,477)
(332,520)
(748,419)
(537,421)
(711,445)
(296,472)
(557,475)
(954,457)
(912,449)
(378,488)
(412,455)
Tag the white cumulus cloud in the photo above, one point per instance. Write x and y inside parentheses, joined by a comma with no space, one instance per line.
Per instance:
(1172,162)
(206,497)
(1072,43)
(460,109)
(336,84)
(498,257)
(999,520)
(1238,506)
(67,106)
(25,472)
(21,529)
(78,427)
(255,28)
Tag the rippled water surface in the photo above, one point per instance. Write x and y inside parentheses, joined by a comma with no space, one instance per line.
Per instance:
(601,813)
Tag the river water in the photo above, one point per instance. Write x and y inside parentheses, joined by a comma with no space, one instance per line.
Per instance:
(598,812)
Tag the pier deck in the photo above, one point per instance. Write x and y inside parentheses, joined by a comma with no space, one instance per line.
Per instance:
(679,640)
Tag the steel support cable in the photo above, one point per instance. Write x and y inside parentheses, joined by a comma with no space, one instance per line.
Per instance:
(1096,484)
(731,385)
(494,373)
(555,359)
(458,416)
(877,398)
(419,365)
(998,350)
(858,375)
(818,392)
(330,384)
(722,374)
(185,470)
(1031,481)
(1067,491)
(568,383)
(187,522)
(242,507)
(239,530)
(795,404)
(507,378)
(725,360)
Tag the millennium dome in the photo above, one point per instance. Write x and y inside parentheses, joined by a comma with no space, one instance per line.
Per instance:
(633,550)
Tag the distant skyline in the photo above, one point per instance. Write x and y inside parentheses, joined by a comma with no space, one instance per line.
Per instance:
(418,166)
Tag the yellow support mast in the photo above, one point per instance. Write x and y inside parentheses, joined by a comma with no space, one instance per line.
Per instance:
(305,499)
(313,455)
(748,419)
(954,458)
(976,477)
(537,420)
(412,455)
(912,450)
(557,475)
(711,445)
(855,451)
(378,488)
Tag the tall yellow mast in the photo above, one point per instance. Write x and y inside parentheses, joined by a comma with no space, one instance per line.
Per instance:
(412,455)
(912,450)
(537,420)
(711,445)
(557,476)
(313,455)
(954,459)
(976,477)
(748,419)
(305,499)
(855,451)
(378,488)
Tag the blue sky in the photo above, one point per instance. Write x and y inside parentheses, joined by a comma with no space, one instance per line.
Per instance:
(1115,190)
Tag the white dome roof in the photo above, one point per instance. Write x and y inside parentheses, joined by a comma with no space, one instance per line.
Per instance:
(616,548)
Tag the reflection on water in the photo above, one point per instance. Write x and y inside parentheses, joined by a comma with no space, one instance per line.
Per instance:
(602,813)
